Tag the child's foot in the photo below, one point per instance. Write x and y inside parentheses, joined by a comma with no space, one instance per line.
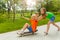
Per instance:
(46,33)
(59,29)
(20,33)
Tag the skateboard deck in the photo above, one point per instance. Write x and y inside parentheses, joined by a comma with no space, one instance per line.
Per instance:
(27,34)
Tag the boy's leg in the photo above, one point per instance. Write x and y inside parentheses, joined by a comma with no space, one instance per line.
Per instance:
(25,26)
(23,29)
(56,26)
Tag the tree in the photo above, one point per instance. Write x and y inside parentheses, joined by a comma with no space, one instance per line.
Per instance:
(14,2)
(49,6)
(2,7)
(40,4)
(52,5)
(23,5)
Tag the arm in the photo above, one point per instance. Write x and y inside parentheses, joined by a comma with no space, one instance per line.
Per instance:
(25,18)
(40,18)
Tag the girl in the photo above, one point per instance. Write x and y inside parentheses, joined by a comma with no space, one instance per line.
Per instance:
(50,16)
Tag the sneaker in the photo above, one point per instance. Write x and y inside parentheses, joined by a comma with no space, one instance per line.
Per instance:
(46,33)
(20,34)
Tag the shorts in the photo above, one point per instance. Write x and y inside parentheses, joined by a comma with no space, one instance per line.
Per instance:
(52,19)
(30,29)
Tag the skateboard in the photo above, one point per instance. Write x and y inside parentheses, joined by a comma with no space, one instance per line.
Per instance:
(27,34)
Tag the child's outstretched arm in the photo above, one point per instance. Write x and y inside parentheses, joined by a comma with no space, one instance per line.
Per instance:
(40,18)
(25,18)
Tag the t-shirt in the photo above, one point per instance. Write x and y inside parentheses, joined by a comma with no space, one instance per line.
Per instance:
(33,25)
(49,15)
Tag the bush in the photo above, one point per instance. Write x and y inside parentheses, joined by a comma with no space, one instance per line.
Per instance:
(57,13)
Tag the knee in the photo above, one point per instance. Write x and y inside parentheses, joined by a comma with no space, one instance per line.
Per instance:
(48,24)
(53,23)
(26,23)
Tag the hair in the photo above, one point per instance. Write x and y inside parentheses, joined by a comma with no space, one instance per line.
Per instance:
(44,9)
(33,15)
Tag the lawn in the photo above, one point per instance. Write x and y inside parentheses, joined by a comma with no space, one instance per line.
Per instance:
(7,25)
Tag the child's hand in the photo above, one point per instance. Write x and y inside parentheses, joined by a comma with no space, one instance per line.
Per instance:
(44,17)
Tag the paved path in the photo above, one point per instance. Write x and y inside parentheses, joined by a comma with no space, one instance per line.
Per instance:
(53,34)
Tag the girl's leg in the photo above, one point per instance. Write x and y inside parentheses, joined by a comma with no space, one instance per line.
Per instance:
(48,26)
(56,26)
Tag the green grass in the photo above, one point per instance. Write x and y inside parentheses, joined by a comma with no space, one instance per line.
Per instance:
(7,25)
(10,26)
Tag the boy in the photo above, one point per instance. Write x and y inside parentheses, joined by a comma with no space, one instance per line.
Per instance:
(51,18)
(32,28)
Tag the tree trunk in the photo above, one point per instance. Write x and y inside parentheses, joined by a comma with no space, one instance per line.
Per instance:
(14,13)
(8,9)
(31,12)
